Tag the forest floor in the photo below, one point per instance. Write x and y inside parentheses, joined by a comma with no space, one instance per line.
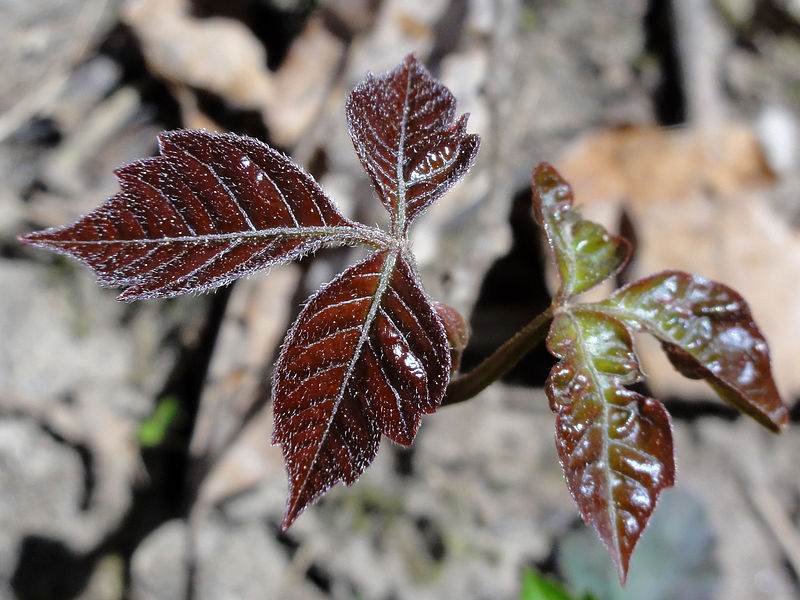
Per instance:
(134,438)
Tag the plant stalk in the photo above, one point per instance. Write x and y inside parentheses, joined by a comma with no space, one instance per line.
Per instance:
(499,363)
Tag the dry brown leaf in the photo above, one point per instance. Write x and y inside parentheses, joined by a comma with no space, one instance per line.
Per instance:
(215,54)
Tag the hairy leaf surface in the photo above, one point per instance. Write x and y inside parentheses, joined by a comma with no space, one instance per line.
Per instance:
(585,254)
(708,333)
(366,356)
(615,445)
(210,209)
(404,129)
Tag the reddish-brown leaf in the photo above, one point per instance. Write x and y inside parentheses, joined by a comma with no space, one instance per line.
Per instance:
(210,209)
(708,333)
(615,445)
(404,129)
(366,356)
(456,329)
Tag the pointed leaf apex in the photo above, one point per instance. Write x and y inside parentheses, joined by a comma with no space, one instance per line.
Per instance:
(621,563)
(549,189)
(614,445)
(584,253)
(404,128)
(29,239)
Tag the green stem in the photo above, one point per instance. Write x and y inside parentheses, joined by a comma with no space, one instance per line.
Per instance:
(500,362)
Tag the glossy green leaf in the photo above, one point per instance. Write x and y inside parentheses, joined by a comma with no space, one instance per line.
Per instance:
(708,333)
(584,253)
(615,445)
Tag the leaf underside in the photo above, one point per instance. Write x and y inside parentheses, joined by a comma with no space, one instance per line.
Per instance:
(212,208)
(584,253)
(366,356)
(614,445)
(708,333)
(404,128)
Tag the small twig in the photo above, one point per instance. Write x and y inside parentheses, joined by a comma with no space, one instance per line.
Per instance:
(500,362)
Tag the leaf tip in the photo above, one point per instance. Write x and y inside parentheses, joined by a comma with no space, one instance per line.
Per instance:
(40,239)
(778,420)
(621,564)
(782,418)
(296,504)
(543,170)
(620,556)
(29,239)
(545,175)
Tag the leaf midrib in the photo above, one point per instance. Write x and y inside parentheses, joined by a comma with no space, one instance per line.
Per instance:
(342,233)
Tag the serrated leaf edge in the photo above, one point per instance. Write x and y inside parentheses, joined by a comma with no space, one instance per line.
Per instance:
(386,273)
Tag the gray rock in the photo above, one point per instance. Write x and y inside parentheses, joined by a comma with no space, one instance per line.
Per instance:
(160,565)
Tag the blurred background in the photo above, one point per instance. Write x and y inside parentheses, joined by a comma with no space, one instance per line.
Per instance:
(134,438)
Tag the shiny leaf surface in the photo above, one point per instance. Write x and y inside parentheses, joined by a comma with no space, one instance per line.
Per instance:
(404,128)
(708,333)
(584,253)
(539,587)
(366,356)
(210,209)
(615,445)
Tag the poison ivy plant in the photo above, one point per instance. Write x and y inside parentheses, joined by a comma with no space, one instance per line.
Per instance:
(370,353)
(614,444)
